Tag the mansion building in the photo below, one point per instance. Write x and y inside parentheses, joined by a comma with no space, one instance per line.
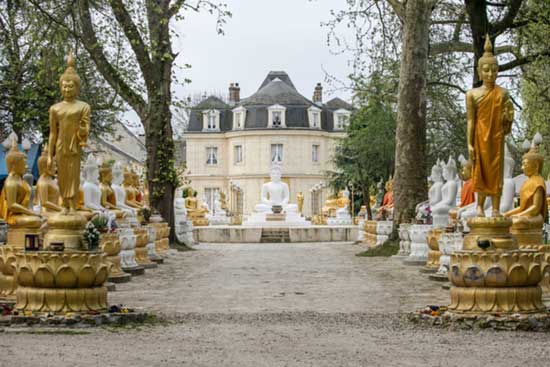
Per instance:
(230,147)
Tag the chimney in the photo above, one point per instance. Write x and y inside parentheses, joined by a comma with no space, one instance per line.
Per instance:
(234,93)
(318,94)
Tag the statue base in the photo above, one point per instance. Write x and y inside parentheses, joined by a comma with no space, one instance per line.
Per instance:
(496,282)
(433,253)
(8,284)
(60,282)
(496,230)
(111,246)
(200,222)
(16,235)
(66,229)
(275,217)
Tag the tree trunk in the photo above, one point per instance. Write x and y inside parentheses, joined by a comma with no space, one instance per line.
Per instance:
(480,26)
(410,152)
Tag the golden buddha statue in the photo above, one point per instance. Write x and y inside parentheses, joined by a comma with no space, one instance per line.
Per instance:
(490,114)
(69,128)
(195,212)
(139,194)
(108,197)
(528,217)
(223,201)
(14,200)
(46,186)
(300,201)
(128,186)
(386,208)
(331,205)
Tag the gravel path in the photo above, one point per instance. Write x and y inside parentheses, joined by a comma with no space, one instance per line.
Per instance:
(277,305)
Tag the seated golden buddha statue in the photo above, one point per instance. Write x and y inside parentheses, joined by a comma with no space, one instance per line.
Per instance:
(46,186)
(223,201)
(14,200)
(528,218)
(386,210)
(139,193)
(195,212)
(131,192)
(331,205)
(108,198)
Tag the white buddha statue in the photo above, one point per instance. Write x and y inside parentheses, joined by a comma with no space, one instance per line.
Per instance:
(92,191)
(440,211)
(275,192)
(434,194)
(120,193)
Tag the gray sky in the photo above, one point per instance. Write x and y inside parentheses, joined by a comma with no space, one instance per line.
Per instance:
(262,35)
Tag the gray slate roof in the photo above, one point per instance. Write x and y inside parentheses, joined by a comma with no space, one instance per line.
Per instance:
(277,88)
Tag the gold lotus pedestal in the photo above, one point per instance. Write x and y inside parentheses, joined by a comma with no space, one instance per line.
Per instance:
(110,245)
(142,256)
(491,275)
(162,242)
(432,265)
(61,282)
(7,272)
(370,232)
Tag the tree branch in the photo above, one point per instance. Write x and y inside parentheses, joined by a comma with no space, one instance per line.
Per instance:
(111,74)
(134,38)
(398,8)
(508,19)
(522,60)
(445,84)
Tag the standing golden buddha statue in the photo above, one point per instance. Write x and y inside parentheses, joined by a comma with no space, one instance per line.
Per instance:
(490,114)
(69,128)
(300,201)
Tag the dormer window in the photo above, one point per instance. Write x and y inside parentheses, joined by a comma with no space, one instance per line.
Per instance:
(314,115)
(276,116)
(239,117)
(211,120)
(341,119)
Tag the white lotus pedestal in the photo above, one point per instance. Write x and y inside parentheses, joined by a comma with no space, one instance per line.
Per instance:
(270,219)
(449,242)
(361,231)
(404,241)
(342,218)
(151,248)
(127,253)
(419,244)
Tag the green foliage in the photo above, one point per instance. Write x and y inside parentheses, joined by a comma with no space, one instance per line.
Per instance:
(366,155)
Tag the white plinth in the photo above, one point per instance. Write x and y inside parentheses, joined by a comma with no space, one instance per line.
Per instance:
(128,244)
(404,240)
(448,243)
(291,220)
(419,242)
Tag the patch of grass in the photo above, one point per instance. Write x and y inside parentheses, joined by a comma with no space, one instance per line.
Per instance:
(150,321)
(387,249)
(51,332)
(180,247)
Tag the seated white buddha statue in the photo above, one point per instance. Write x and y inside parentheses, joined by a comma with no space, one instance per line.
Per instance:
(434,193)
(92,191)
(440,211)
(120,193)
(275,192)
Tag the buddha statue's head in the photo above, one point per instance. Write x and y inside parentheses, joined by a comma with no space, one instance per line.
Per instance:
(117,173)
(105,173)
(43,163)
(69,82)
(533,161)
(135,179)
(466,171)
(275,174)
(16,161)
(128,178)
(487,66)
(91,170)
(437,173)
(449,171)
(389,184)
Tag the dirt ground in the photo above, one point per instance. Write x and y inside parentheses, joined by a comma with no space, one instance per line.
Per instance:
(277,305)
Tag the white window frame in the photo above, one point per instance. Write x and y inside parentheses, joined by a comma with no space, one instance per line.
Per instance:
(338,114)
(315,153)
(206,118)
(270,112)
(238,123)
(276,155)
(212,157)
(237,161)
(312,112)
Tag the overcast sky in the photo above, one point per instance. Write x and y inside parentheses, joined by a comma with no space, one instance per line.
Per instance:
(262,35)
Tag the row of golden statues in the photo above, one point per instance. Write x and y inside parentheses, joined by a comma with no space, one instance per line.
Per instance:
(64,275)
